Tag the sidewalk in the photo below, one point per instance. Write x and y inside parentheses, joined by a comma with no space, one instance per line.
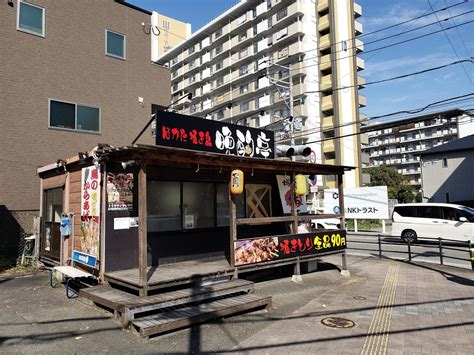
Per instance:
(396,307)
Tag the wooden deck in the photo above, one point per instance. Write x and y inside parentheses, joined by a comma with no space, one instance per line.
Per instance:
(172,274)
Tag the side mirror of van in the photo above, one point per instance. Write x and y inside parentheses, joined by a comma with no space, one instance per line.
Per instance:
(462,219)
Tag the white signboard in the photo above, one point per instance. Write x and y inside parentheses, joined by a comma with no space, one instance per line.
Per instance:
(359,202)
(285,195)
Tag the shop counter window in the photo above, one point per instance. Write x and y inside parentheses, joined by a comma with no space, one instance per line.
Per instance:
(198,205)
(222,204)
(164,210)
(175,205)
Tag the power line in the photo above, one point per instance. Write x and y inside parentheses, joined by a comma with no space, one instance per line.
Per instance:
(451,43)
(414,111)
(457,30)
(396,77)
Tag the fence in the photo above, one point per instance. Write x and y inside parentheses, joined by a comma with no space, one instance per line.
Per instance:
(441,245)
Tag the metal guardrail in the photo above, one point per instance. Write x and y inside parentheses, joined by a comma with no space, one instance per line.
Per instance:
(438,243)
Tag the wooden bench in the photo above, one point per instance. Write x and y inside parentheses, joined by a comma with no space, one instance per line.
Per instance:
(72,273)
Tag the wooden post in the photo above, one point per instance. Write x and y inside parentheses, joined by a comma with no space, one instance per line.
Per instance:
(142,230)
(103,219)
(294,214)
(232,230)
(342,220)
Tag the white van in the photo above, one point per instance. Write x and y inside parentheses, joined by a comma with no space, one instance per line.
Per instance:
(433,220)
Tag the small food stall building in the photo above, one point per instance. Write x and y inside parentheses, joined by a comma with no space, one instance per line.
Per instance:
(205,202)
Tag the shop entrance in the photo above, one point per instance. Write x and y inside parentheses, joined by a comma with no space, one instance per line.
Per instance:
(50,242)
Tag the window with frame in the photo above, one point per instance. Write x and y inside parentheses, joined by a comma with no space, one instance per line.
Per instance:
(115,44)
(30,18)
(219,65)
(244,106)
(244,88)
(218,49)
(281,14)
(175,60)
(244,69)
(243,53)
(218,33)
(175,73)
(67,115)
(242,36)
(166,25)
(219,81)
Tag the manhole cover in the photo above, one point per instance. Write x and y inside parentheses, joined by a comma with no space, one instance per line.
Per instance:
(360,298)
(335,322)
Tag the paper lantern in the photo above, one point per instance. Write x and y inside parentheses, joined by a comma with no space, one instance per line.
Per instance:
(236,182)
(300,185)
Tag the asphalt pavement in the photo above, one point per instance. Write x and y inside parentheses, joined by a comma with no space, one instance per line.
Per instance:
(394,307)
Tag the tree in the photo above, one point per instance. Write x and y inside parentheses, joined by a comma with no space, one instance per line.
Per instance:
(384,176)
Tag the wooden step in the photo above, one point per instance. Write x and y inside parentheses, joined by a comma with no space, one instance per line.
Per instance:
(128,305)
(184,317)
(108,296)
(183,297)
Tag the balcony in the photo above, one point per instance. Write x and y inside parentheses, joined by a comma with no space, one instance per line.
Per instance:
(326,82)
(361,81)
(358,28)
(328,146)
(323,23)
(325,62)
(359,45)
(364,139)
(360,64)
(326,103)
(362,101)
(324,42)
(322,5)
(357,10)
(328,122)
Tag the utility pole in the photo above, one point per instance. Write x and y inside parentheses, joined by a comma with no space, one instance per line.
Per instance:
(290,105)
(293,158)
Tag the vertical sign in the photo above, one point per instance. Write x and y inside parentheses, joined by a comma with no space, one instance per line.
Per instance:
(284,187)
(90,210)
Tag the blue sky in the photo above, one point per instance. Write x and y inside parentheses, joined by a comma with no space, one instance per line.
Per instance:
(405,94)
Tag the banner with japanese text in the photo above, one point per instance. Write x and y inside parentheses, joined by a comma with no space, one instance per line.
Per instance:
(90,210)
(252,251)
(188,132)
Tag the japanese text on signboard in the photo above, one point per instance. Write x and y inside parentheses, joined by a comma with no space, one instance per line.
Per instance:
(250,251)
(179,131)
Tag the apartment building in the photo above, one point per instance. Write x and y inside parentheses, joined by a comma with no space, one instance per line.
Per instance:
(279,65)
(68,82)
(399,143)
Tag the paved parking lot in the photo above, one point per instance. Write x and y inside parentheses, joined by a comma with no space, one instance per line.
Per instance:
(396,307)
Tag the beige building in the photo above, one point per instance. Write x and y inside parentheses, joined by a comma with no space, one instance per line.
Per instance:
(166,33)
(68,82)
(246,65)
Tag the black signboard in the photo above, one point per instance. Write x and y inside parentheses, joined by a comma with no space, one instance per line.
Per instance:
(251,251)
(180,131)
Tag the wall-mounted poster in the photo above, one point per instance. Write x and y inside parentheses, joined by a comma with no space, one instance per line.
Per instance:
(120,191)
(284,187)
(90,210)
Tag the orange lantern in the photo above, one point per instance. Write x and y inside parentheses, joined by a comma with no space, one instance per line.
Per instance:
(300,185)
(236,182)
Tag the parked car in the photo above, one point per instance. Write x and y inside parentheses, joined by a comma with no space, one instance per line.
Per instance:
(433,220)
(330,223)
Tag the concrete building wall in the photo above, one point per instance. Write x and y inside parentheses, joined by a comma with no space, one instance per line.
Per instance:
(69,64)
(454,179)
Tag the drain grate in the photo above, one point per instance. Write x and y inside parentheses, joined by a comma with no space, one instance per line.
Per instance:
(359,298)
(336,322)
